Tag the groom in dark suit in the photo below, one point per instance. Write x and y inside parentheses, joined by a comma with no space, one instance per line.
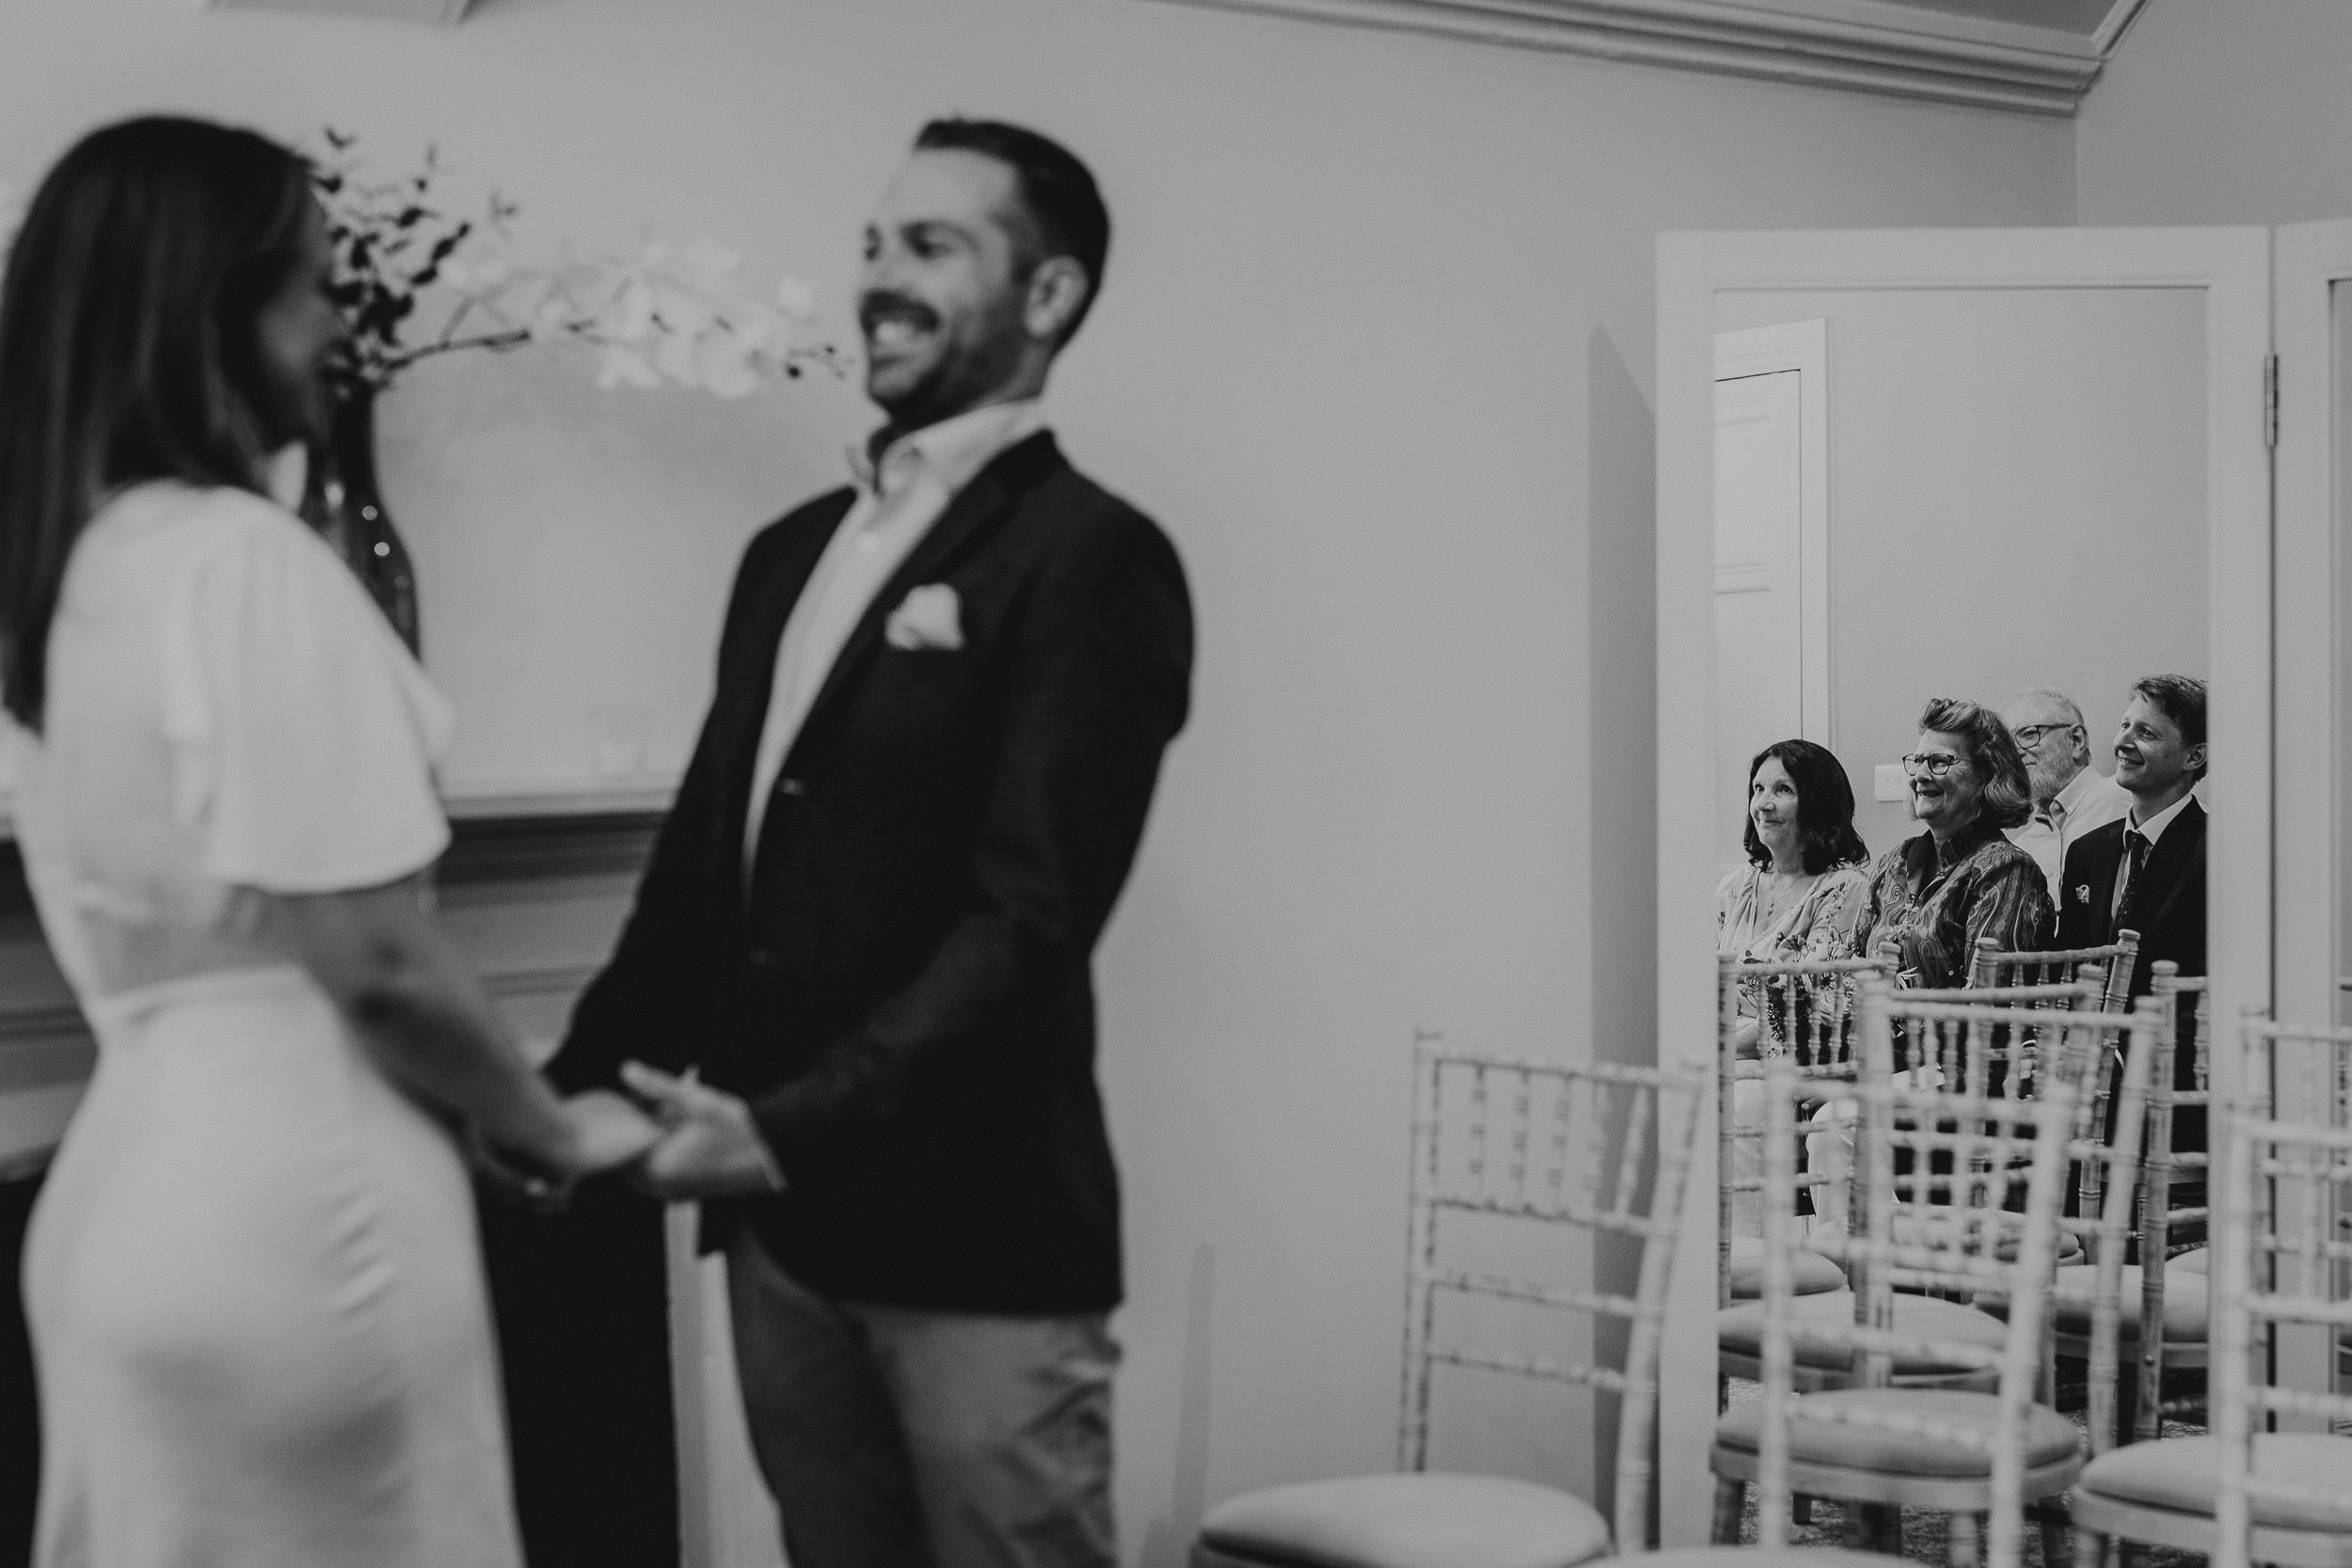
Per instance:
(860,960)
(2147,872)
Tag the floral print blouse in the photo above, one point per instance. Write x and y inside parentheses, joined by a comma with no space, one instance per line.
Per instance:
(1817,925)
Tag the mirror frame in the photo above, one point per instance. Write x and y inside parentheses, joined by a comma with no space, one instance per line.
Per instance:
(2233,266)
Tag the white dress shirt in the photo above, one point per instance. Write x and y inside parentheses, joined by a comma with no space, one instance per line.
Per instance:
(898,500)
(2090,800)
(2151,831)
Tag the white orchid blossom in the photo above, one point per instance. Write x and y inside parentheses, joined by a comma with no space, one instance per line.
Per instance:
(665,315)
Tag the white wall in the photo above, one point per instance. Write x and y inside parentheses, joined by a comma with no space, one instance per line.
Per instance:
(2221,113)
(2017,497)
(1376,347)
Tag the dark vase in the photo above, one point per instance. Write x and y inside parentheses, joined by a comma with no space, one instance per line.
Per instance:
(343,502)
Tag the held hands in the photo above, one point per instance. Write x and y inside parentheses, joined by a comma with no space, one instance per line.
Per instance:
(709,1146)
(603,1131)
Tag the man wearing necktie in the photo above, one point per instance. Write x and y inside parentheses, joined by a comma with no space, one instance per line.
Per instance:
(857,982)
(2070,797)
(2146,872)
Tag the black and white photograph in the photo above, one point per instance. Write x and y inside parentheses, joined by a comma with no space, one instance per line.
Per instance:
(1175,784)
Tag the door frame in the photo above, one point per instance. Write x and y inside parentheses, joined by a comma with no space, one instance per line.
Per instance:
(2234,266)
(2314,744)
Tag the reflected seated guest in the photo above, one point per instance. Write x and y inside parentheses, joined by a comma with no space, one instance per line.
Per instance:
(1795,899)
(1934,896)
(2146,872)
(2070,797)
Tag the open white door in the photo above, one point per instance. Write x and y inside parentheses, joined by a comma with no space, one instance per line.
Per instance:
(2051,468)
(2312,309)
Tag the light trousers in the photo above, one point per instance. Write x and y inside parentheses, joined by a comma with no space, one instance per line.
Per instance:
(893,1437)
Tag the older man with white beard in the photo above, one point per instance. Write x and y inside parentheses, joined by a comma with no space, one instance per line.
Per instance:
(2070,797)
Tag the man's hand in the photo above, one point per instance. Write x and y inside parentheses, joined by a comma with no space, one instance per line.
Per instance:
(710,1148)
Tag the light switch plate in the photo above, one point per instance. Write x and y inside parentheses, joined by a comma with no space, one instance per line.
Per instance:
(1890,784)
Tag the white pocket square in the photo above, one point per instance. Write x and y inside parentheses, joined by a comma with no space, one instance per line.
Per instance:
(929,617)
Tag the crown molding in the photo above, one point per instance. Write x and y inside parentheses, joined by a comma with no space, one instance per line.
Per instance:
(443,13)
(1860,45)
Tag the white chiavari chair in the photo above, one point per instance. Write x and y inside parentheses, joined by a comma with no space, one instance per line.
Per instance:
(1995,968)
(1802,1010)
(2244,1492)
(2167,1285)
(1946,1222)
(1992,1039)
(1530,1148)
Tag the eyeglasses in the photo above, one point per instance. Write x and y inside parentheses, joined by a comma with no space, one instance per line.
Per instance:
(2029,735)
(1933,764)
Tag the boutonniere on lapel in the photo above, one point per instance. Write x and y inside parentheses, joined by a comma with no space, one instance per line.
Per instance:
(929,617)
(2082,892)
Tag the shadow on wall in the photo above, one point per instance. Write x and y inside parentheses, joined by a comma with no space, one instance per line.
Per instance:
(1622,568)
(1168,1544)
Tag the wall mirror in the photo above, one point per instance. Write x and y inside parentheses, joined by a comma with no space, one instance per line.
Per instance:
(1903,465)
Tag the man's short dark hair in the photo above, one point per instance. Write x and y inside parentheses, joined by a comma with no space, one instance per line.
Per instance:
(2181,699)
(1058,190)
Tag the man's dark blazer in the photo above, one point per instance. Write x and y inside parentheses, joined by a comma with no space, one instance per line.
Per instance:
(2168,909)
(904,991)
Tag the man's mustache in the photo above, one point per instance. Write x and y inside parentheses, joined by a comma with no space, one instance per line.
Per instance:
(882,304)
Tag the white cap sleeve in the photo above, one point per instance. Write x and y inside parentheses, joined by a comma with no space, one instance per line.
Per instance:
(303,736)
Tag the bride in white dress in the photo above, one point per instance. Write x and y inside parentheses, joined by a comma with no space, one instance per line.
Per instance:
(253,1277)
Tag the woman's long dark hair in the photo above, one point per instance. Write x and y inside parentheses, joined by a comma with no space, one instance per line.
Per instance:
(130,347)
(1824,807)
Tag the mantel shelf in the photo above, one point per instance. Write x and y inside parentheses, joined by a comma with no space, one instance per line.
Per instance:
(1936,52)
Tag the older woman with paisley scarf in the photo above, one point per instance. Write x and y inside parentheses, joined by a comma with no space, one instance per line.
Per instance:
(1934,896)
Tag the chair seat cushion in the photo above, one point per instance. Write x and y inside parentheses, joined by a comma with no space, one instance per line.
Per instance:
(1741,1330)
(1816,1274)
(2198,1260)
(2049,1436)
(1427,1520)
(2183,1309)
(2184,1474)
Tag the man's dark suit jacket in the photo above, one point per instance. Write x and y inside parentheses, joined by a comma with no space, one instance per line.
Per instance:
(904,991)
(2168,909)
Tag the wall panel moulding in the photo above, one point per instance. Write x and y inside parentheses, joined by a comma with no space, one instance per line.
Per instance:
(446,13)
(2034,56)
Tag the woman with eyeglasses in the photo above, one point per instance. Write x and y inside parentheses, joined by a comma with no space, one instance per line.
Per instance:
(1934,896)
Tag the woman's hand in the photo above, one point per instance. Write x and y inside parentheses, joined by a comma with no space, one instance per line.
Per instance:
(602,1130)
(1744,1036)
